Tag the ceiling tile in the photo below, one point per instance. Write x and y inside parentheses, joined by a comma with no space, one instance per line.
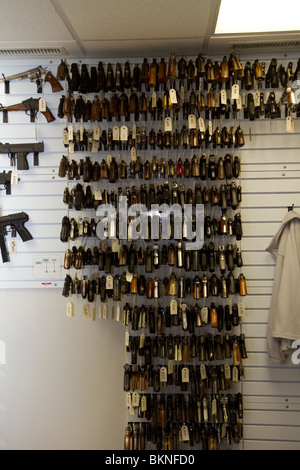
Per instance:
(131,19)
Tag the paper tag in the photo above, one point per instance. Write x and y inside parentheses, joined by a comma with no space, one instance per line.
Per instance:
(70,309)
(168,124)
(201,124)
(65,137)
(116,133)
(109,159)
(203,372)
(134,131)
(96,133)
(173,96)
(290,124)
(81,132)
(86,311)
(128,399)
(214,407)
(185,374)
(124,133)
(163,374)
(142,341)
(239,103)
(115,245)
(182,94)
(118,313)
(135,399)
(105,312)
(192,121)
(173,307)
(210,128)
(109,282)
(235,91)
(71,147)
(153,100)
(170,366)
(133,154)
(129,276)
(235,374)
(42,105)
(144,403)
(14,178)
(70,132)
(98,195)
(227,372)
(185,433)
(257,99)
(126,339)
(95,146)
(223,97)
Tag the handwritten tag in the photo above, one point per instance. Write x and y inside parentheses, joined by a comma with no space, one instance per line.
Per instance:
(42,105)
(235,91)
(168,124)
(173,96)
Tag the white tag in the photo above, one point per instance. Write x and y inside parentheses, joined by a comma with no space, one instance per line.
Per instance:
(173,96)
(70,132)
(116,133)
(143,403)
(210,128)
(182,94)
(223,97)
(98,195)
(105,311)
(13,247)
(109,159)
(192,121)
(14,178)
(170,366)
(86,311)
(128,399)
(115,245)
(235,374)
(126,339)
(133,154)
(42,105)
(163,374)
(70,309)
(185,433)
(118,313)
(124,133)
(235,91)
(203,372)
(168,124)
(227,371)
(241,309)
(239,103)
(71,147)
(214,407)
(256,99)
(81,131)
(290,124)
(173,307)
(135,399)
(142,341)
(134,131)
(95,146)
(109,282)
(201,124)
(96,133)
(129,276)
(185,374)
(153,100)
(65,137)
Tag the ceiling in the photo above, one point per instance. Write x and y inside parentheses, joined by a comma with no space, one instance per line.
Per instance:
(118,28)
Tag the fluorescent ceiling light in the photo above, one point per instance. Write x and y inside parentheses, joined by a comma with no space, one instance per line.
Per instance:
(253,16)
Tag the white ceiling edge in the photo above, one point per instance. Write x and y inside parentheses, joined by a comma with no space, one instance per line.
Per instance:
(69,49)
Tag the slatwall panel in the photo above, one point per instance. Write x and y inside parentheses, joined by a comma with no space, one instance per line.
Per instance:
(270,183)
(39,191)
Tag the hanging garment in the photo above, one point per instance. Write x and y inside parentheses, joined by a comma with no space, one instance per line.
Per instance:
(284,314)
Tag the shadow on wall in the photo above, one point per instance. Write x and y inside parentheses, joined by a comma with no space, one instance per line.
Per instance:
(2,407)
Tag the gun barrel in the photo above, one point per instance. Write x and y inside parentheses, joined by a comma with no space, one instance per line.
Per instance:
(23,75)
(22,148)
